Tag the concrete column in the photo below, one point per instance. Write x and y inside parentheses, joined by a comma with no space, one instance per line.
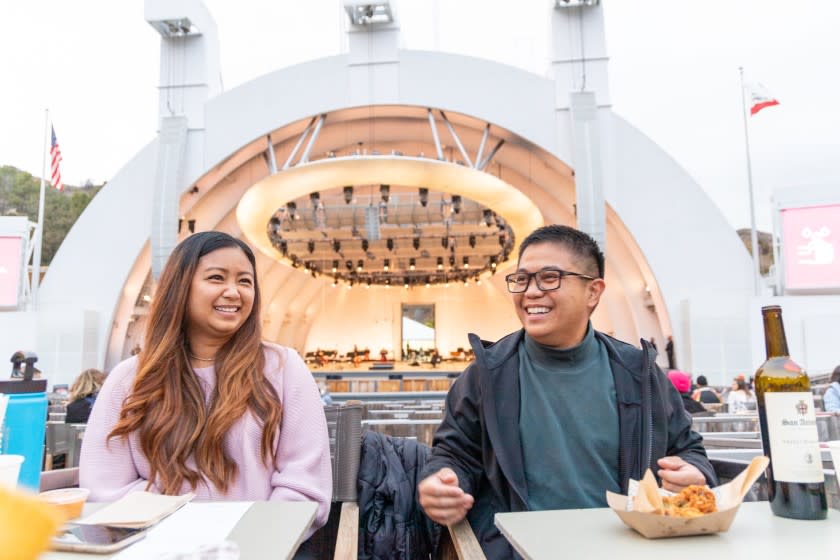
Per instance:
(373,60)
(189,76)
(579,69)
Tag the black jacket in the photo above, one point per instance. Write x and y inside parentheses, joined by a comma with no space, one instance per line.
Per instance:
(78,411)
(479,436)
(693,407)
(391,522)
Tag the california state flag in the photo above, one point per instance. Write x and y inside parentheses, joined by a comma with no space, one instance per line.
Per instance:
(760,98)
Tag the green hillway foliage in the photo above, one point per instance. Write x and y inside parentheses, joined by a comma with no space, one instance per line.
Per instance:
(19,197)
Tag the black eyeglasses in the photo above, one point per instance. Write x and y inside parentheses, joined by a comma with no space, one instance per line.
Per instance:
(547,279)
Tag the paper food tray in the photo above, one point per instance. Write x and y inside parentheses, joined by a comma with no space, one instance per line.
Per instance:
(637,509)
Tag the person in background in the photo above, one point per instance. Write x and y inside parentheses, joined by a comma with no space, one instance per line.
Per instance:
(435,359)
(831,397)
(59,395)
(17,365)
(326,398)
(739,395)
(703,393)
(320,358)
(669,351)
(682,383)
(551,416)
(82,395)
(207,406)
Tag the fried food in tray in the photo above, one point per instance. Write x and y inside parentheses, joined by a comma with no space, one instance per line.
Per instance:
(693,501)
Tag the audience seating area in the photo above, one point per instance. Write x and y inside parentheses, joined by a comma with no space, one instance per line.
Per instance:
(63,444)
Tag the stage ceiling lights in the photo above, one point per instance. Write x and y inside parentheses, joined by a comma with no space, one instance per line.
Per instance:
(424,196)
(488,217)
(350,177)
(575,3)
(367,12)
(172,27)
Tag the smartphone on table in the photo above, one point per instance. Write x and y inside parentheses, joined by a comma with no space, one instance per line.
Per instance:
(101,539)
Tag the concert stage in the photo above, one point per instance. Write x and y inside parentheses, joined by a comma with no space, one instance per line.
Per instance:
(344,377)
(376,369)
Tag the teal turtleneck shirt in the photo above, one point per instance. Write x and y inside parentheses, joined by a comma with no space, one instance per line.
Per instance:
(568,423)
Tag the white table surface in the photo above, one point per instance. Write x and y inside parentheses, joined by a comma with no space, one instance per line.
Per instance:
(599,533)
(268,530)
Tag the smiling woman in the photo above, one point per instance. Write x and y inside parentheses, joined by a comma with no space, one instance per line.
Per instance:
(221,300)
(206,406)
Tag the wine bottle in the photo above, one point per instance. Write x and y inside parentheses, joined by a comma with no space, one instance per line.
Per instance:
(788,428)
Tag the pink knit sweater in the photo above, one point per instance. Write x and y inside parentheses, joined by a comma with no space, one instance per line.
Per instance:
(302,471)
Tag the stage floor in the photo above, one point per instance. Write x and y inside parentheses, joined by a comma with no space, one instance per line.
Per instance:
(400,367)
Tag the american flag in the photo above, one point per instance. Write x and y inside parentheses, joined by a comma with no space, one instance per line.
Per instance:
(55,153)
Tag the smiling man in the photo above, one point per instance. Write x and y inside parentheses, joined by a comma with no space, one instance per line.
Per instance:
(552,416)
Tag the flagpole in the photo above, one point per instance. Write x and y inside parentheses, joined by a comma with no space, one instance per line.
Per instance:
(39,235)
(753,234)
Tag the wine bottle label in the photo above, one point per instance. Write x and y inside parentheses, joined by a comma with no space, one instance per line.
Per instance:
(794,442)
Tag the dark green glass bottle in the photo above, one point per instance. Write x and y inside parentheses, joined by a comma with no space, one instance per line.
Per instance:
(788,428)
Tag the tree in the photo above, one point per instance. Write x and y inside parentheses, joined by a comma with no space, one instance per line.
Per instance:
(765,248)
(19,192)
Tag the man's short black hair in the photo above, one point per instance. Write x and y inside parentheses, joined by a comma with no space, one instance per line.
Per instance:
(576,241)
(701,380)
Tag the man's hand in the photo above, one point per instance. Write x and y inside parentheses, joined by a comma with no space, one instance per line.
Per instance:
(676,474)
(442,499)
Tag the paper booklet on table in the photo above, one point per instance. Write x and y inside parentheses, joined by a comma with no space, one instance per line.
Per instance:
(137,510)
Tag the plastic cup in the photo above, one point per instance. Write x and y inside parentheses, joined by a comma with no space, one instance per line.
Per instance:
(70,501)
(9,470)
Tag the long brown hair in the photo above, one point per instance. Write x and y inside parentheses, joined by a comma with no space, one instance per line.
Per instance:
(88,383)
(742,386)
(166,405)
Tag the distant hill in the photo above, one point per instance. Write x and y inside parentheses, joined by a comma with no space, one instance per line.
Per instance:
(19,193)
(765,247)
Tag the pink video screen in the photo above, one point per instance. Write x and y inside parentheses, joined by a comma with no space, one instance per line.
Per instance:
(10,262)
(812,247)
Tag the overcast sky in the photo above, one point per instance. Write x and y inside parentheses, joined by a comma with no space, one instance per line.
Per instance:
(673,74)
